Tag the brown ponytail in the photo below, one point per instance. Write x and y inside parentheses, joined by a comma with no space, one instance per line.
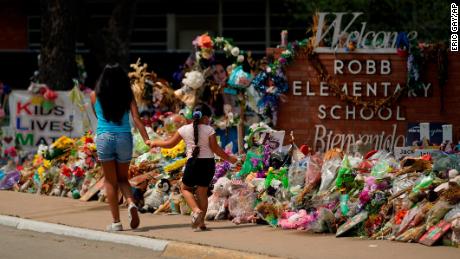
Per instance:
(199,111)
(196,121)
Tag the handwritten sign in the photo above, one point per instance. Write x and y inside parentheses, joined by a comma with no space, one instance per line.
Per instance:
(274,139)
(401,152)
(33,125)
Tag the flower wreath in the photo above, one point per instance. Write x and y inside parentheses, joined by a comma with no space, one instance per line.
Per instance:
(205,46)
(255,131)
(271,83)
(271,94)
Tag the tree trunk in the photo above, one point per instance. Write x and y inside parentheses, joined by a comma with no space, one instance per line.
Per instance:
(57,56)
(112,43)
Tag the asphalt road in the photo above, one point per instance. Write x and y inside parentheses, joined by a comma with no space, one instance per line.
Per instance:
(19,244)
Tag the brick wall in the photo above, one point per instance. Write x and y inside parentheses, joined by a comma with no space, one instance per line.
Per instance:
(300,113)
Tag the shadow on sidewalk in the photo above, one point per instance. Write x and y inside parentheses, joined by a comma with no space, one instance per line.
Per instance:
(236,226)
(158,227)
(173,226)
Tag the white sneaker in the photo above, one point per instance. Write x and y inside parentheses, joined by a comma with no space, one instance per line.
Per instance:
(133,216)
(115,227)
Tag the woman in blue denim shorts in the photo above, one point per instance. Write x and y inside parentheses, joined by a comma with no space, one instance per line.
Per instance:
(113,101)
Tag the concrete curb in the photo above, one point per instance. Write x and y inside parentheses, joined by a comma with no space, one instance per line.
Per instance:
(169,248)
(42,227)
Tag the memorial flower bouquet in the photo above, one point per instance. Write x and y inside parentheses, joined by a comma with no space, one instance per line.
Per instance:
(174,152)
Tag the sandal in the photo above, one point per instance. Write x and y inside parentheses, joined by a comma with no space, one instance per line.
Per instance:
(197,218)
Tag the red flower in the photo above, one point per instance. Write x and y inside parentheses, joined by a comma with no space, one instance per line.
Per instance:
(50,95)
(65,171)
(89,162)
(11,151)
(43,90)
(204,41)
(89,140)
(78,172)
(426,157)
(400,216)
(156,116)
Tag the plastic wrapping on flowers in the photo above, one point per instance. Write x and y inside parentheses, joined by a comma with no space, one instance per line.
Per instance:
(241,204)
(296,173)
(328,173)
(139,146)
(398,201)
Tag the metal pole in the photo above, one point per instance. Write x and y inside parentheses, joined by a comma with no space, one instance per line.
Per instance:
(240,127)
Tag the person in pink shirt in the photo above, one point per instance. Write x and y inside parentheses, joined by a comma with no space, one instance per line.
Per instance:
(201,145)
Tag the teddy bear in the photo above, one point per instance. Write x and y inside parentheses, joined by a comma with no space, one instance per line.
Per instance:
(192,82)
(57,189)
(218,200)
(156,196)
(270,211)
(414,164)
(294,220)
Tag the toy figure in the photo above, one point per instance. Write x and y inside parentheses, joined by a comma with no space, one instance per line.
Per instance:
(218,200)
(156,196)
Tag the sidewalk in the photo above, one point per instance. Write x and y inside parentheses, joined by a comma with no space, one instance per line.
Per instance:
(245,238)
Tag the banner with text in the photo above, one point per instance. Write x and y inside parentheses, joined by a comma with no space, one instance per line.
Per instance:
(33,125)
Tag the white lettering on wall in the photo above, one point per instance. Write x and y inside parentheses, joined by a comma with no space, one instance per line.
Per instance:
(358,66)
(338,66)
(371,88)
(325,140)
(370,67)
(370,41)
(322,89)
(333,115)
(385,68)
(356,89)
(426,87)
(322,112)
(296,86)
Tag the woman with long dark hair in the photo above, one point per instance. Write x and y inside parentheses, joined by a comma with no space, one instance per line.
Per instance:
(113,102)
(201,145)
